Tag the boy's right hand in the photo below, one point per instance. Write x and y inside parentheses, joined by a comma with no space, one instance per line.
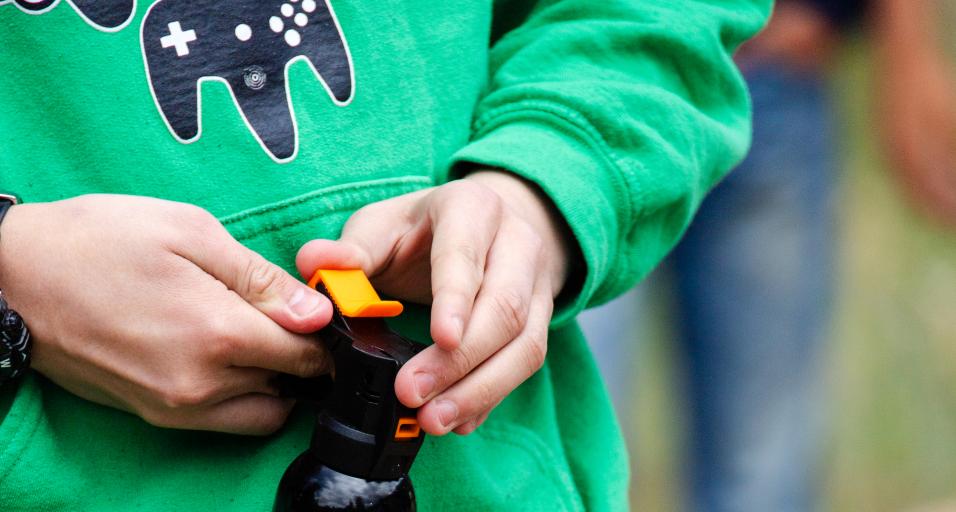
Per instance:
(152,307)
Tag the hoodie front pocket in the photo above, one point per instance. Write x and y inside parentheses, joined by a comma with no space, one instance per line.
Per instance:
(277,230)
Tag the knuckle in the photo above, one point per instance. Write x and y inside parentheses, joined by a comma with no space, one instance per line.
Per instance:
(447,373)
(220,339)
(461,251)
(194,226)
(452,366)
(473,196)
(453,290)
(185,392)
(312,364)
(470,253)
(463,360)
(536,350)
(485,396)
(511,309)
(259,278)
(197,218)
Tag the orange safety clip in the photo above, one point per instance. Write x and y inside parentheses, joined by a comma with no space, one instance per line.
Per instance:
(353,294)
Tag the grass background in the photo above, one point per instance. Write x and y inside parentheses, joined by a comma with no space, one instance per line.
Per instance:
(892,364)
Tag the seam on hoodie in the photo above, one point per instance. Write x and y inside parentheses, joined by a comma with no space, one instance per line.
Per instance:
(25,426)
(268,219)
(328,192)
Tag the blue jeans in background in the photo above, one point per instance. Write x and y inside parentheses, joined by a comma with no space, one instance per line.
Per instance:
(753,284)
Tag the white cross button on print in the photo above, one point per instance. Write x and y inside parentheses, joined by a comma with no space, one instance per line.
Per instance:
(178,38)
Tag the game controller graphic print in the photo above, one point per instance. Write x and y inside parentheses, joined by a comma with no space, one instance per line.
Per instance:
(248,45)
(105,15)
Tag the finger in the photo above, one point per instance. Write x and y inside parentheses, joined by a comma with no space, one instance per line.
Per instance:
(176,397)
(225,413)
(481,390)
(377,230)
(286,300)
(237,381)
(466,217)
(499,316)
(253,341)
(381,239)
(472,425)
(252,414)
(394,237)
(328,254)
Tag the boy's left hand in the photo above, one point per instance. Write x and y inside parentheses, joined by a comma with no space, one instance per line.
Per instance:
(490,253)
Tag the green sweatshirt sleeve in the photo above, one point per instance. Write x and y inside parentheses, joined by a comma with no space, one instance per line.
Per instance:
(625,112)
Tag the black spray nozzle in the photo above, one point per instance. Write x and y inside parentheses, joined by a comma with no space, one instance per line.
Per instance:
(362,432)
(362,429)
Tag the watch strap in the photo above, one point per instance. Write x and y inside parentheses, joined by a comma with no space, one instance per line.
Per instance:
(6,201)
(15,343)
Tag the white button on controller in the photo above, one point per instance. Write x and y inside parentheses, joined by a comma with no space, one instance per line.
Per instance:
(243,32)
(275,23)
(292,38)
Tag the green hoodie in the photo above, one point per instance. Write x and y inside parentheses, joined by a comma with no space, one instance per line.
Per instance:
(624,111)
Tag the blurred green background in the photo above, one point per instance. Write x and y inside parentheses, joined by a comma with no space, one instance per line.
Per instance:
(892,364)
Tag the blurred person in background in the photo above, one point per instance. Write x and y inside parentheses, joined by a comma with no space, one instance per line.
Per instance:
(753,275)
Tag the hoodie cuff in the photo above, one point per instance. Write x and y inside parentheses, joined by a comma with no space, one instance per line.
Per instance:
(565,161)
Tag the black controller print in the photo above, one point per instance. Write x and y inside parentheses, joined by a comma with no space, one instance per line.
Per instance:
(108,15)
(247,44)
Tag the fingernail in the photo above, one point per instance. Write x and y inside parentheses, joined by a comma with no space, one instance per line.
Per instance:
(447,412)
(303,303)
(424,384)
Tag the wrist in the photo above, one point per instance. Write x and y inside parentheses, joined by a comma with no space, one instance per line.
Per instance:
(8,239)
(528,201)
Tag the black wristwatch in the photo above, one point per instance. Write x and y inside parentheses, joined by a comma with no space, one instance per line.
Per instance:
(14,335)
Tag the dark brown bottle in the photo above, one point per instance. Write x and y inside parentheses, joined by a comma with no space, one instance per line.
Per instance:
(309,485)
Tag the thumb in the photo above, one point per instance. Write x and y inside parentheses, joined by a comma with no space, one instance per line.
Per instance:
(389,240)
(264,285)
(369,240)
(330,254)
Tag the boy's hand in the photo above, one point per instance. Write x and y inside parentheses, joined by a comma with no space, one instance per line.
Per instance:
(490,255)
(151,307)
